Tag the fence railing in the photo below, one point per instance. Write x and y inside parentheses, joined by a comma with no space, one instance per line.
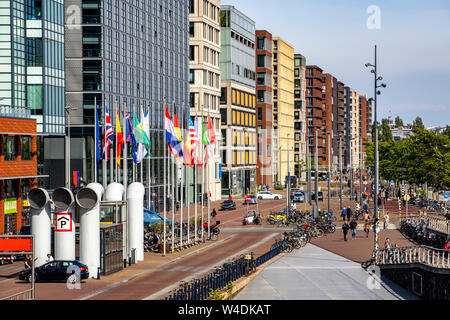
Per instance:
(438,258)
(24,295)
(199,289)
(431,223)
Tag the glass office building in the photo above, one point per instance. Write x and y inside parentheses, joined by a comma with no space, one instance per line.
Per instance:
(125,56)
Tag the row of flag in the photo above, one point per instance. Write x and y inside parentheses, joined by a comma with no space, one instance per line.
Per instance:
(138,133)
(189,152)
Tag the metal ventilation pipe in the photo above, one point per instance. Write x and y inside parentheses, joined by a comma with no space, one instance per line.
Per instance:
(63,200)
(41,226)
(88,199)
(135,198)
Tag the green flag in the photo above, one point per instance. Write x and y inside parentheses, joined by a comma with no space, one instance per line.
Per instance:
(205,139)
(140,135)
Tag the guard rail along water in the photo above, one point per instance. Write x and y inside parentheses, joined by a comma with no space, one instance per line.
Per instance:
(431,223)
(437,258)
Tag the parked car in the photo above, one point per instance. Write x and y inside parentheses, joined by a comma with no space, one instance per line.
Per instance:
(267,195)
(228,205)
(253,200)
(57,270)
(313,196)
(299,196)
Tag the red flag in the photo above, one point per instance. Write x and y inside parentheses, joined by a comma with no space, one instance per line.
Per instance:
(120,140)
(210,130)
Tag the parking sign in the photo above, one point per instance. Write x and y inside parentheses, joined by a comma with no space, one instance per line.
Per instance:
(63,222)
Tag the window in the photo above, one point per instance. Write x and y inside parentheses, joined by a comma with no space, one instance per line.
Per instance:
(260,78)
(297,83)
(296,115)
(275,57)
(223,95)
(275,69)
(297,104)
(223,116)
(26,148)
(260,44)
(260,114)
(297,94)
(260,62)
(192,53)
(191,76)
(10,148)
(275,44)
(296,72)
(298,62)
(260,96)
(191,29)
(34,52)
(225,19)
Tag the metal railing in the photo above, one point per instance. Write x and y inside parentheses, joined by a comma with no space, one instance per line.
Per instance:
(24,295)
(199,289)
(438,258)
(431,223)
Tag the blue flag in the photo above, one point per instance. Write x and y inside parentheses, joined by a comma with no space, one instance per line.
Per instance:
(131,138)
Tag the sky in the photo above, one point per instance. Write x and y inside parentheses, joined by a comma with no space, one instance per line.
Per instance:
(412,39)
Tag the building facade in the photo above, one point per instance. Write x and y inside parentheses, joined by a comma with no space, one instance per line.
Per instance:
(300,127)
(283,109)
(238,102)
(126,56)
(204,77)
(32,78)
(18,170)
(264,107)
(315,113)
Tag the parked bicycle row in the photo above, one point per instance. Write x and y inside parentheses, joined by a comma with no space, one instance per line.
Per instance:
(416,231)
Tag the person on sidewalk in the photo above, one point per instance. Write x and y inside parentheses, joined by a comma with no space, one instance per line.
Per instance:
(353,226)
(367,228)
(386,221)
(387,243)
(343,214)
(345,228)
(349,214)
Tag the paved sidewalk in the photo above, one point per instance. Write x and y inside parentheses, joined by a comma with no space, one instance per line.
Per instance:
(312,273)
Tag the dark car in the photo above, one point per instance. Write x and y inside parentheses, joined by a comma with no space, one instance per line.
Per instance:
(228,205)
(58,270)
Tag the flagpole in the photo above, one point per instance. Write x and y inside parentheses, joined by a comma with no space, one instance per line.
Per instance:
(125,157)
(181,186)
(195,200)
(208,197)
(95,140)
(111,152)
(104,151)
(117,119)
(173,193)
(166,153)
(148,165)
(203,186)
(134,164)
(188,203)
(142,162)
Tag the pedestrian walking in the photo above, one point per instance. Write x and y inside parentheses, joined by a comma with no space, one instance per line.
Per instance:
(387,243)
(343,214)
(213,213)
(345,228)
(29,262)
(386,221)
(367,228)
(349,214)
(49,258)
(353,226)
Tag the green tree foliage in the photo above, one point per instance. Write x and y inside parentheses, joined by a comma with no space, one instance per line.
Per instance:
(422,157)
(398,122)
(418,123)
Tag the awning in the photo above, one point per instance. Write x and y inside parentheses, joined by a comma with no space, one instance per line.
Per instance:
(24,177)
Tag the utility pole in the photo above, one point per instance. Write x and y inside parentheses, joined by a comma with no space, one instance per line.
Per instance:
(308,159)
(68,109)
(329,171)
(316,167)
(340,173)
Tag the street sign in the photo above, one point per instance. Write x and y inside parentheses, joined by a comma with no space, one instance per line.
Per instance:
(16,244)
(248,199)
(63,222)
(446,196)
(392,182)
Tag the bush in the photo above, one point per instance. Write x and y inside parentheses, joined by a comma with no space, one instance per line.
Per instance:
(279,187)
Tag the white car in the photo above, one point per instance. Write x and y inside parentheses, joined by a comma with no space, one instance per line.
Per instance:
(267,195)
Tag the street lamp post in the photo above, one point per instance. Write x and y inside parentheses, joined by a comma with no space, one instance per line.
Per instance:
(68,109)
(329,171)
(376,93)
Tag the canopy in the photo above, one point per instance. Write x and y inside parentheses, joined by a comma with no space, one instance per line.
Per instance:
(151,217)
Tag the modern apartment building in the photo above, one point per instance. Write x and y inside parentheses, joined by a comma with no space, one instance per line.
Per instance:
(204,77)
(264,107)
(353,130)
(283,109)
(237,102)
(126,56)
(315,113)
(32,73)
(300,123)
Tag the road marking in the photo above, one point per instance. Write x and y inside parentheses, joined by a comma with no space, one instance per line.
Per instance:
(187,268)
(7,268)
(153,269)
(189,278)
(175,268)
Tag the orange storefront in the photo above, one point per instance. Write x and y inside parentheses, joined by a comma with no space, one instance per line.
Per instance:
(18,171)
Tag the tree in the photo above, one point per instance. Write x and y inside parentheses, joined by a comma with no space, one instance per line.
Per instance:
(418,123)
(398,122)
(446,131)
(386,132)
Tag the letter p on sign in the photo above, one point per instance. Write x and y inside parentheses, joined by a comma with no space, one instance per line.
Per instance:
(63,222)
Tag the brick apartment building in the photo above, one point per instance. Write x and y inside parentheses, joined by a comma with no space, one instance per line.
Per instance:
(264,107)
(18,171)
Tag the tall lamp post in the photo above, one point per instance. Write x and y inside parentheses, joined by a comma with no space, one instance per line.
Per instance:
(376,93)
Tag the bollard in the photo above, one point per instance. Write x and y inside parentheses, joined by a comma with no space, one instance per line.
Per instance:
(98,273)
(124,263)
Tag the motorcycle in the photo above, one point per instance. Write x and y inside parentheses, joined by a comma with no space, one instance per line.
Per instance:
(251,217)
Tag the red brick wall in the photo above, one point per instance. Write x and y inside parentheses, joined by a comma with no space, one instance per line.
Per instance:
(17,167)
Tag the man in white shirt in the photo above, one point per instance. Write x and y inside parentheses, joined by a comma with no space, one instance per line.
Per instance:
(49,258)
